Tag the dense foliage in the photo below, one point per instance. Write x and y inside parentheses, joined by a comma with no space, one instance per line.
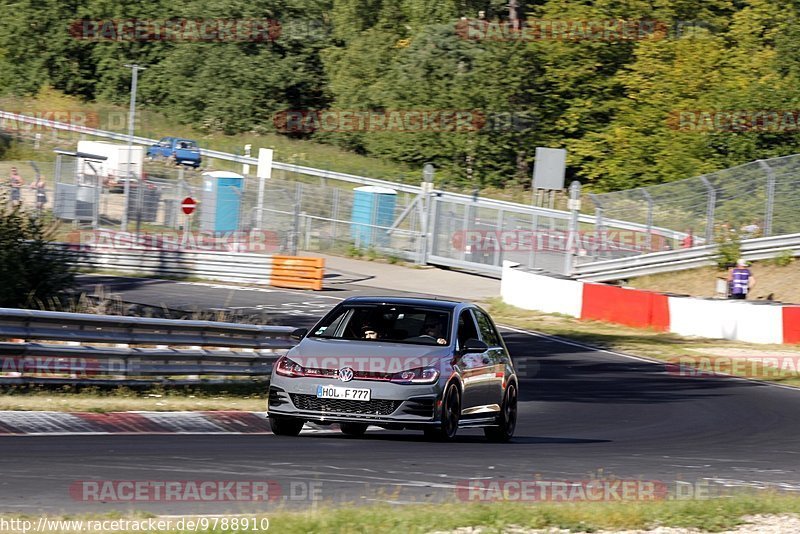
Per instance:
(613,103)
(33,272)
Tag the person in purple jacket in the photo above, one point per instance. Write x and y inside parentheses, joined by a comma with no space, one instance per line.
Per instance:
(741,280)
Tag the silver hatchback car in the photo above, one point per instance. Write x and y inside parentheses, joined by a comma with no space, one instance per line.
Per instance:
(397,363)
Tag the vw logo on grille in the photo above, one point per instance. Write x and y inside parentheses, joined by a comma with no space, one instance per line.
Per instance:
(345,374)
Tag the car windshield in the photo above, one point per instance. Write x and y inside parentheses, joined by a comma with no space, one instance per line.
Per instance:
(186,144)
(387,322)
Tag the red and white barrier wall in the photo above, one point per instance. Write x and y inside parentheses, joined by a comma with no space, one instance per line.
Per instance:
(753,322)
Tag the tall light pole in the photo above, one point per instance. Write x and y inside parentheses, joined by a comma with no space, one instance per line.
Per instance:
(131,116)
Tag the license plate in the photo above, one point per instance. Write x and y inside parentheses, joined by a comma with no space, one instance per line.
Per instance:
(336,392)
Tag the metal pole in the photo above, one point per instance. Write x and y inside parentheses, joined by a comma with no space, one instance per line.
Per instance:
(496,260)
(335,216)
(575,208)
(56,181)
(599,231)
(536,238)
(648,239)
(710,207)
(131,116)
(770,197)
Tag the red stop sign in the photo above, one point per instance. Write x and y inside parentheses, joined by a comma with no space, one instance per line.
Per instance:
(188,205)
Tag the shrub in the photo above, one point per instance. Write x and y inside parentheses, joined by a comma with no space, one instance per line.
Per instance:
(32,271)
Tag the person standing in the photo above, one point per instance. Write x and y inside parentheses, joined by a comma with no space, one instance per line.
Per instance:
(741,280)
(16,182)
(688,241)
(40,187)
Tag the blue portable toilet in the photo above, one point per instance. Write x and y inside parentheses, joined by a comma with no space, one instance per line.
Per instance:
(221,201)
(372,205)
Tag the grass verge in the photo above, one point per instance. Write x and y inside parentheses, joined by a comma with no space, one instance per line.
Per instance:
(720,355)
(708,515)
(121,399)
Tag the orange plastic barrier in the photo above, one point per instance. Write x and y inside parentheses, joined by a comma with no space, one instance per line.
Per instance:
(625,306)
(791,324)
(297,272)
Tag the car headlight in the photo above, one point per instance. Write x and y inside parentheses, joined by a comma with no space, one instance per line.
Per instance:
(420,375)
(286,367)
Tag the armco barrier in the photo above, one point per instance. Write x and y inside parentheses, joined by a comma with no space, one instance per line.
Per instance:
(542,293)
(297,272)
(752,322)
(625,306)
(242,267)
(791,324)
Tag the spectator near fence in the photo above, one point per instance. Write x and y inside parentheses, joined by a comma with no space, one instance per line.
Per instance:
(16,182)
(741,280)
(40,187)
(688,241)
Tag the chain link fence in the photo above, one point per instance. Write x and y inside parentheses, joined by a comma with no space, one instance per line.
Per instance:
(752,200)
(294,213)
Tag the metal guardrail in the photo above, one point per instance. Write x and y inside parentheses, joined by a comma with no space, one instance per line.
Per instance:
(241,267)
(97,346)
(677,260)
(345,177)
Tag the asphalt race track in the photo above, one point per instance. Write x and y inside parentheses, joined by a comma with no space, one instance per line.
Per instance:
(583,413)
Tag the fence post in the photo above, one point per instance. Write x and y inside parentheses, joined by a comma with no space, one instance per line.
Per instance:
(710,207)
(497,252)
(575,208)
(770,197)
(536,240)
(599,231)
(648,239)
(295,233)
(335,216)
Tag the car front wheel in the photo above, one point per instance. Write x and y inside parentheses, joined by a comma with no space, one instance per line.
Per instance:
(447,427)
(508,418)
(285,426)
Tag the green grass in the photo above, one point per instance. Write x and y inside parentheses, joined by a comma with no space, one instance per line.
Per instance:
(152,124)
(707,515)
(244,397)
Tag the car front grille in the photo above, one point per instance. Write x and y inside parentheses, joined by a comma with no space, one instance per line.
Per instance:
(372,407)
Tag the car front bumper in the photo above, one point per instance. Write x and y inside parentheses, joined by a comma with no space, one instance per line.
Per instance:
(390,404)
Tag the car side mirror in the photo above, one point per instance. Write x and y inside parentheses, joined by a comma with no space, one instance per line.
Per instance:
(474,346)
(299,334)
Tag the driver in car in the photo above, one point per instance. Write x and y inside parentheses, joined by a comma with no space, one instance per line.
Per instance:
(368,332)
(433,330)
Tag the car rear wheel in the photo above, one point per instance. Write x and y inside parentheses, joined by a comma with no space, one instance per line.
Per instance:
(353,429)
(285,426)
(448,420)
(508,418)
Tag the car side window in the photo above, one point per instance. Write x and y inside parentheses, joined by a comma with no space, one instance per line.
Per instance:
(488,333)
(466,328)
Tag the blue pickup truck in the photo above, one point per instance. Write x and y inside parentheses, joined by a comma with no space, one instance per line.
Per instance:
(181,151)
